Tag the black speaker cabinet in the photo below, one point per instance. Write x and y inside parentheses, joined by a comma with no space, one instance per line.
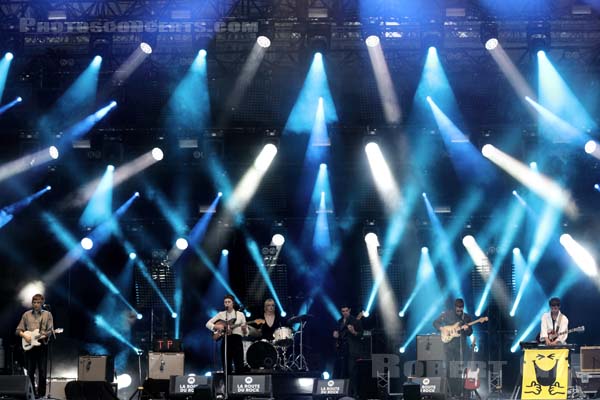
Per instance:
(77,390)
(412,391)
(95,369)
(16,387)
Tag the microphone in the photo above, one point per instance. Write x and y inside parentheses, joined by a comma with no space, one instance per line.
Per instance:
(46,307)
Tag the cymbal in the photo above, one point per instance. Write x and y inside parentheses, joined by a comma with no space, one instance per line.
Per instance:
(299,318)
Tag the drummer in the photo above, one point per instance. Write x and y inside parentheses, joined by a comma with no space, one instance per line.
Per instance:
(272,321)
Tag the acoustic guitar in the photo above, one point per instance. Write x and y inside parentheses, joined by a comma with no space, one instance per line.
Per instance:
(220,327)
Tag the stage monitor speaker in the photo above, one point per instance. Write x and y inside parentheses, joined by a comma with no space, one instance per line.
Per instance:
(95,369)
(86,390)
(16,387)
(433,387)
(589,357)
(430,348)
(163,365)
(411,391)
(56,388)
(367,383)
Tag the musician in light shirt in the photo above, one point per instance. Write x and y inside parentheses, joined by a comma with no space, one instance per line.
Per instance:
(36,358)
(235,348)
(554,327)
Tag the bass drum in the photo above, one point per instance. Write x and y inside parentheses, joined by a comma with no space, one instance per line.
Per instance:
(261,355)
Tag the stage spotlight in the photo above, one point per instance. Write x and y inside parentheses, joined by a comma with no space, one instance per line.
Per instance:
(97,60)
(53,151)
(265,157)
(401,314)
(110,168)
(590,146)
(132,256)
(514,192)
(19,99)
(181,244)
(278,240)
(87,243)
(225,252)
(402,350)
(323,166)
(123,381)
(371,239)
(489,35)
(202,53)
(137,194)
(366,314)
(220,194)
(538,36)
(516,251)
(207,374)
(263,42)
(318,56)
(146,48)
(157,154)
(248,314)
(372,41)
(424,250)
(533,165)
(139,316)
(48,187)
(487,150)
(597,187)
(468,241)
(9,56)
(173,315)
(325,375)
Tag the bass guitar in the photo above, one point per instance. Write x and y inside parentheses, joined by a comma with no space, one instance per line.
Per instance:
(339,341)
(36,339)
(220,327)
(450,332)
(553,335)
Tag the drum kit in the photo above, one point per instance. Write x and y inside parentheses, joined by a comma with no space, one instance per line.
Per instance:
(280,353)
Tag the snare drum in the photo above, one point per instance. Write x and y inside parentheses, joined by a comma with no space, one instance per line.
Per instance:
(262,355)
(283,336)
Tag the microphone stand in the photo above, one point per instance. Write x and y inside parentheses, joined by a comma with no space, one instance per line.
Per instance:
(49,377)
(225,359)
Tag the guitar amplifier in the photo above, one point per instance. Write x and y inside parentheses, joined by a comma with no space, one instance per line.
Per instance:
(163,365)
(96,368)
(430,348)
(590,358)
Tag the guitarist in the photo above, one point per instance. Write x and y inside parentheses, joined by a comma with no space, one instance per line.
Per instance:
(455,349)
(348,335)
(222,323)
(37,356)
(554,322)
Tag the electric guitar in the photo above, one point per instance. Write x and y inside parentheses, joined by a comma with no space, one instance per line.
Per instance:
(36,339)
(472,376)
(553,335)
(220,327)
(450,332)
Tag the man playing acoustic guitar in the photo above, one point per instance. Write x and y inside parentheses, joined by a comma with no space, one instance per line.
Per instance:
(35,327)
(555,325)
(233,324)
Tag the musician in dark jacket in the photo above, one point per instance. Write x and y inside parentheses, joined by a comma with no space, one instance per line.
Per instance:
(348,335)
(455,350)
(36,358)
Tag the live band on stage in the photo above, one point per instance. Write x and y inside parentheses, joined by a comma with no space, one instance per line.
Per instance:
(270,346)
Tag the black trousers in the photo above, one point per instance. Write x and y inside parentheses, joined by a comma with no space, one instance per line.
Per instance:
(345,368)
(235,354)
(37,359)
(455,366)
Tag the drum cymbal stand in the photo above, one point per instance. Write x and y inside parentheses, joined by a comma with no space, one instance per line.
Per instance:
(300,360)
